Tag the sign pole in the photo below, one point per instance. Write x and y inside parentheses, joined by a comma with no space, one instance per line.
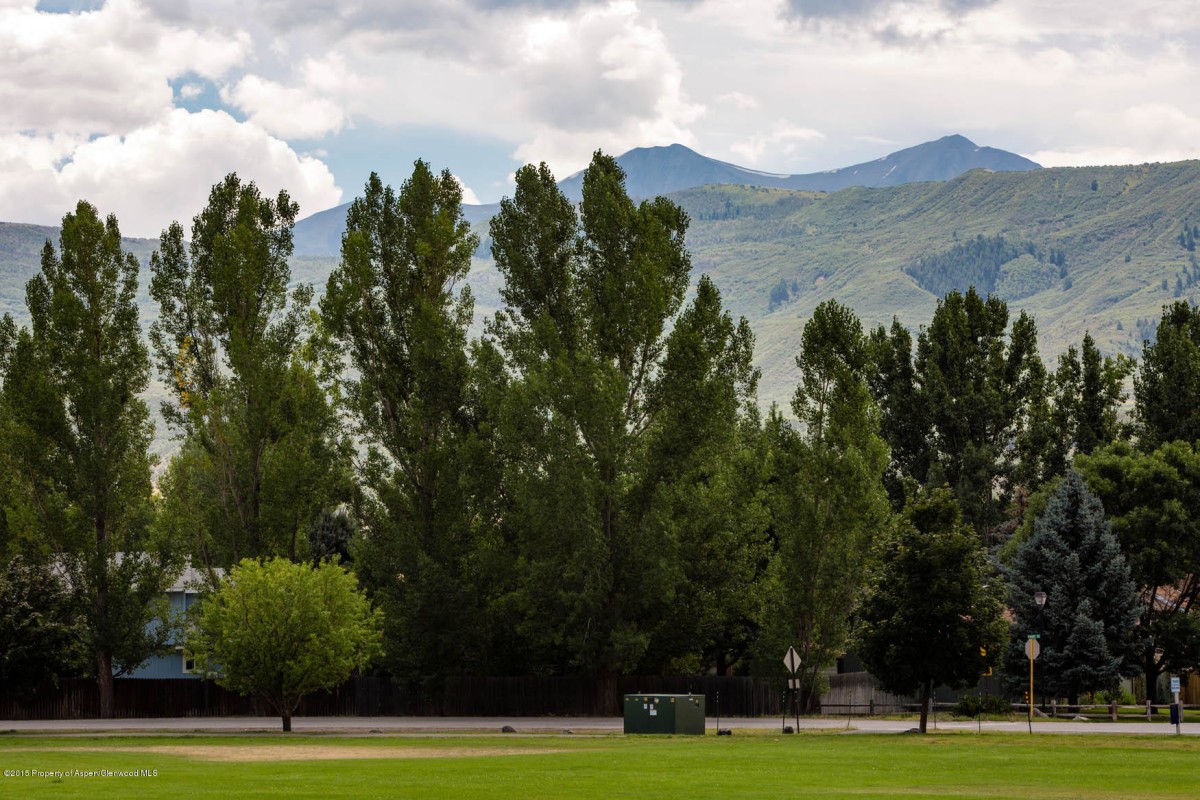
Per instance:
(1177,709)
(1031,694)
(1032,649)
(791,660)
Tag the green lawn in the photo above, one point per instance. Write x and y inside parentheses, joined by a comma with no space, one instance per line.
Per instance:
(821,765)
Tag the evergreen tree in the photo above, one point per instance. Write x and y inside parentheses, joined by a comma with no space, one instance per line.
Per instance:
(974,264)
(931,611)
(330,536)
(1087,624)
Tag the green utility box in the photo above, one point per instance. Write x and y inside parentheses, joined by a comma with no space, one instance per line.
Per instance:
(664,713)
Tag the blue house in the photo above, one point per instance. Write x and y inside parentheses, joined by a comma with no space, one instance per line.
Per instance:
(183,594)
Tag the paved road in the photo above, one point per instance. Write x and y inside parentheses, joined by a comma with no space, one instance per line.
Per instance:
(583,725)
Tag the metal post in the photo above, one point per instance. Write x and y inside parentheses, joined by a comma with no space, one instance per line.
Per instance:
(1179,714)
(796,701)
(783,705)
(1031,695)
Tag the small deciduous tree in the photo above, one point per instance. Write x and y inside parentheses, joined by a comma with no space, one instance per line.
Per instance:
(280,630)
(932,610)
(43,629)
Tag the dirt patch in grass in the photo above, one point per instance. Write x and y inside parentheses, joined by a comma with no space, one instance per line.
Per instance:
(306,752)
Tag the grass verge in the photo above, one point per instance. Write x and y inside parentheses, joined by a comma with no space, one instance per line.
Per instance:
(824,765)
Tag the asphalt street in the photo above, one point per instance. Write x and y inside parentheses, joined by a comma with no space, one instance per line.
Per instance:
(579,725)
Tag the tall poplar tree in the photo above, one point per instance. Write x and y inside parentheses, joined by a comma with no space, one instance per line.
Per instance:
(827,496)
(1166,389)
(972,387)
(592,418)
(704,482)
(82,434)
(262,453)
(1081,410)
(399,310)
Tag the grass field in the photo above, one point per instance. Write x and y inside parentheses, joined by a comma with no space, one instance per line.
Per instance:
(746,765)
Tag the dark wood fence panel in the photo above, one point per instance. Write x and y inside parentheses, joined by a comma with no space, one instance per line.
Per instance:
(529,696)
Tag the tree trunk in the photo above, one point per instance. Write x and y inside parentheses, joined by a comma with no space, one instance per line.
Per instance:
(104,681)
(926,691)
(104,659)
(287,723)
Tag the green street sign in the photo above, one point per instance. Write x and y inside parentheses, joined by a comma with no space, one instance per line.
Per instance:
(1035,636)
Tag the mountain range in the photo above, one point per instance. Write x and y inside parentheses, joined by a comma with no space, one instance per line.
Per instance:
(1097,249)
(652,171)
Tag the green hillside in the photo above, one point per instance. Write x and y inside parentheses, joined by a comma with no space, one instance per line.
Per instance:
(776,253)
(1119,241)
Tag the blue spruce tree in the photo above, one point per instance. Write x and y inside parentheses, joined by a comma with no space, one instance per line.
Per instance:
(1087,625)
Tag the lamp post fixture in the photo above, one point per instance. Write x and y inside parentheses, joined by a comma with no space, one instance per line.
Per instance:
(1032,649)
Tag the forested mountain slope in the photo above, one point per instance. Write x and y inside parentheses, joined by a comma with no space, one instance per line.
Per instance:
(1091,248)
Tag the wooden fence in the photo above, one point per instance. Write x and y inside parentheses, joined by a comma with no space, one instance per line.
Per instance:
(373,697)
(858,693)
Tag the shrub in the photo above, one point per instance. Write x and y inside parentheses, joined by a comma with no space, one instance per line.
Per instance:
(974,705)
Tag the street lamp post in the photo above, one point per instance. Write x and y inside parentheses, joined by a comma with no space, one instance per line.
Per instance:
(1032,649)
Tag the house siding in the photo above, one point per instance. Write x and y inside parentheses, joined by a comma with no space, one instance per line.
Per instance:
(171,664)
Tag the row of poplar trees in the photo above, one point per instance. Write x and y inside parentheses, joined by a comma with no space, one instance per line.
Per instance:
(587,488)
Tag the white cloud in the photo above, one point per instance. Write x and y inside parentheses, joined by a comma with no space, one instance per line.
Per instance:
(1017,74)
(293,113)
(783,140)
(190,91)
(603,78)
(739,100)
(153,174)
(1163,132)
(468,195)
(1066,82)
(99,71)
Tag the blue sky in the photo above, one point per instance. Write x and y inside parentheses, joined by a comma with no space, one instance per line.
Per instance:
(141,105)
